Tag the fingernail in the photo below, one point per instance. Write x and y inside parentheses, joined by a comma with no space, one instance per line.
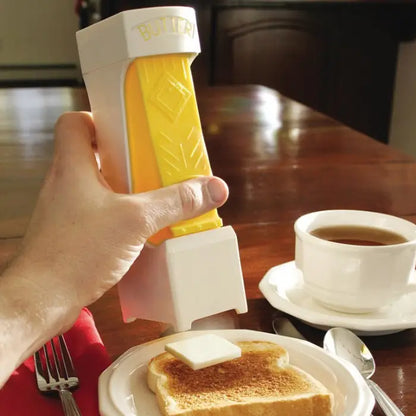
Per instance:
(216,190)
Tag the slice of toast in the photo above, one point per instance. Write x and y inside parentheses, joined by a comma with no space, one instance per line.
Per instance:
(259,383)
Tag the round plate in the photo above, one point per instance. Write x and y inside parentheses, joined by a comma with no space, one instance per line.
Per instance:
(123,388)
(283,287)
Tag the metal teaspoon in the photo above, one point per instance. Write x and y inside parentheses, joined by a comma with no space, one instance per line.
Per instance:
(345,344)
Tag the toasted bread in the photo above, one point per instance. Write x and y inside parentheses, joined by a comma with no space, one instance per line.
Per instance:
(261,382)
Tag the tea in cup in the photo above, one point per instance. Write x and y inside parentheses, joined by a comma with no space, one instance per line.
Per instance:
(355,261)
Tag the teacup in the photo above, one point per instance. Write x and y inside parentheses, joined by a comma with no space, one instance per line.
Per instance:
(355,261)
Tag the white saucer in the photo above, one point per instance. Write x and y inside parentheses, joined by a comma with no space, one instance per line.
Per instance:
(283,287)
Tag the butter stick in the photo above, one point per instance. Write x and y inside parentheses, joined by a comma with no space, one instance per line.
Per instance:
(203,351)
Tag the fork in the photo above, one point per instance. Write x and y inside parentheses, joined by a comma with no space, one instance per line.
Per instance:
(55,373)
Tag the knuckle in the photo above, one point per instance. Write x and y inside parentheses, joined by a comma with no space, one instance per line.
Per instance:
(62,120)
(190,199)
(70,119)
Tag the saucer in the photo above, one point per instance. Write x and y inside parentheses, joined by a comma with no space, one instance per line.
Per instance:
(283,287)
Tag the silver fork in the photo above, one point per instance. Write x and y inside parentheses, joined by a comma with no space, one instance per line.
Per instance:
(55,373)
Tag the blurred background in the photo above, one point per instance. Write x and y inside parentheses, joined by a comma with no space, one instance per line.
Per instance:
(37,42)
(353,60)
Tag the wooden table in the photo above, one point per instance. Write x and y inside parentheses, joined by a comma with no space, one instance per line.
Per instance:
(280,159)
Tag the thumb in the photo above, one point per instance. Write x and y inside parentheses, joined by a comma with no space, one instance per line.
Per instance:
(166,206)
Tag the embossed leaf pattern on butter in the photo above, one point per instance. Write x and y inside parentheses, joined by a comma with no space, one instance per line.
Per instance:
(183,158)
(179,145)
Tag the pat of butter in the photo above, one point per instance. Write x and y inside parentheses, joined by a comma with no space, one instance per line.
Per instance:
(204,350)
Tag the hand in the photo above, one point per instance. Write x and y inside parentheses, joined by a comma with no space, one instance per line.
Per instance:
(83,237)
(81,240)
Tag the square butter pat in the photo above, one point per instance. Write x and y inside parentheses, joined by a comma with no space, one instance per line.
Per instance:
(204,350)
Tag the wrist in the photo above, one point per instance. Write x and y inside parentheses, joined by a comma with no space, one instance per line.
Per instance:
(29,315)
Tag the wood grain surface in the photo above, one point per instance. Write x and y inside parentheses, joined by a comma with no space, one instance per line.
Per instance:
(280,160)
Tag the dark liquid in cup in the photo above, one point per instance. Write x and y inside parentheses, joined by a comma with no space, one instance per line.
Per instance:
(358,235)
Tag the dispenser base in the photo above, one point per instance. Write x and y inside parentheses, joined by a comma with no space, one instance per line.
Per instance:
(185,279)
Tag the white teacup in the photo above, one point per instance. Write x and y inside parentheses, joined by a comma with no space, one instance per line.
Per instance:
(352,277)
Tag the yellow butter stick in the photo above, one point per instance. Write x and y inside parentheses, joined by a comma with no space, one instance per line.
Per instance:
(165,139)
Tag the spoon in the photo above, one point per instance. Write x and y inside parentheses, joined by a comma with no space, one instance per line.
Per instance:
(345,344)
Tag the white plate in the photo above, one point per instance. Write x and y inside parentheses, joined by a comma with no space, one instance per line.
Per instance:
(123,391)
(283,287)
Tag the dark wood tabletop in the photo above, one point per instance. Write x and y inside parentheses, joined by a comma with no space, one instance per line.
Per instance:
(280,160)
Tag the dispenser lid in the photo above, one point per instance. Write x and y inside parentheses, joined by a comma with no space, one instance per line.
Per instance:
(138,33)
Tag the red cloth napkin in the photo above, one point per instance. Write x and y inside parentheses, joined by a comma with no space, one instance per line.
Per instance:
(20,396)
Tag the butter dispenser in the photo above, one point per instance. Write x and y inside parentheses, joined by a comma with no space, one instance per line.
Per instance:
(136,68)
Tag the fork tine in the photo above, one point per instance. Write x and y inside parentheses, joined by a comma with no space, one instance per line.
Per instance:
(56,361)
(40,373)
(50,370)
(66,358)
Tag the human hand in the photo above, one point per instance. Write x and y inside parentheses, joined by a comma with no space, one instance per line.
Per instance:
(83,237)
